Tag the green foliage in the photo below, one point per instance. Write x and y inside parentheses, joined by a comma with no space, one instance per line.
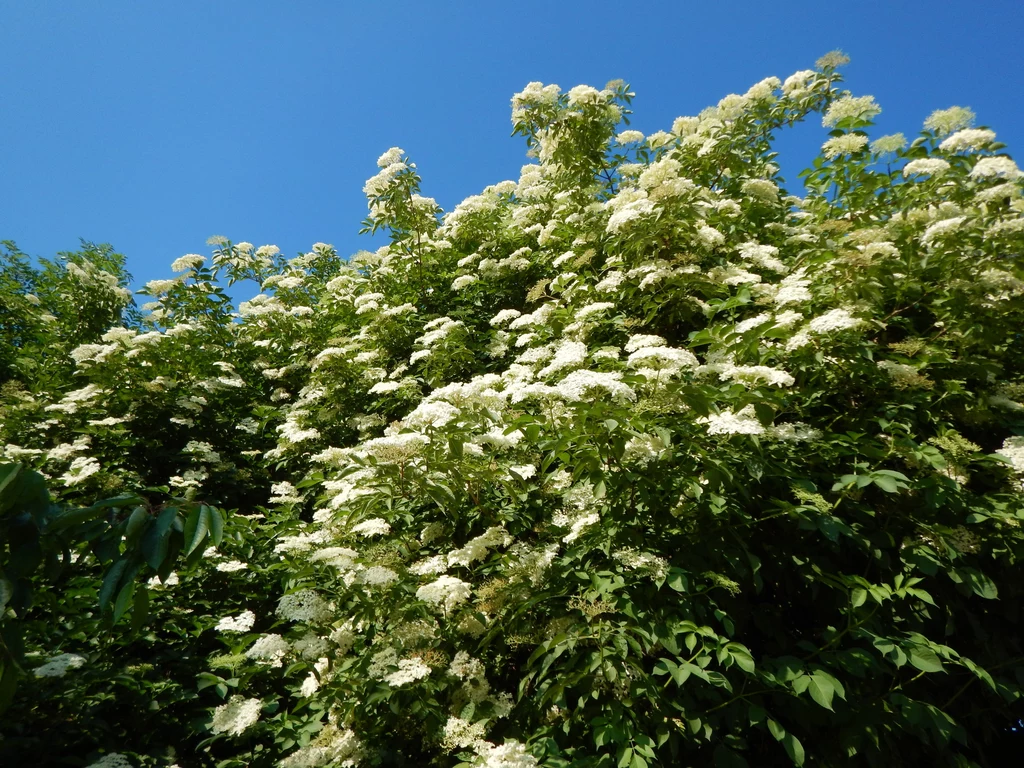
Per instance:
(636,461)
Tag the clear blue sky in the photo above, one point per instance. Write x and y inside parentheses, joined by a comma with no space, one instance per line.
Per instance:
(154,125)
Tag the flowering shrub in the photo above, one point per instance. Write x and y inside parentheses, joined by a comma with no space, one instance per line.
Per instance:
(640,459)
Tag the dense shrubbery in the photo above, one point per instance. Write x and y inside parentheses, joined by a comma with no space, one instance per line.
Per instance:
(638,460)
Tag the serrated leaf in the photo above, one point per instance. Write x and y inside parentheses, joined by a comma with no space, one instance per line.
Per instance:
(153,544)
(123,598)
(196,528)
(110,582)
(215,522)
(136,522)
(140,609)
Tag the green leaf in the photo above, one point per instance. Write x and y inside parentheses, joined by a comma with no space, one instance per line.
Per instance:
(793,748)
(925,659)
(140,609)
(677,580)
(215,522)
(979,583)
(136,522)
(123,598)
(821,691)
(741,656)
(887,484)
(777,731)
(8,683)
(153,545)
(858,597)
(196,528)
(110,581)
(7,474)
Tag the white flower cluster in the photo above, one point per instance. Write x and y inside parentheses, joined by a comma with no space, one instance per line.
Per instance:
(112,760)
(409,671)
(59,665)
(243,622)
(234,717)
(305,605)
(446,592)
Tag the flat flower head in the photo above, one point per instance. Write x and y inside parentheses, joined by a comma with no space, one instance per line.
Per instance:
(236,716)
(850,107)
(847,144)
(888,144)
(946,121)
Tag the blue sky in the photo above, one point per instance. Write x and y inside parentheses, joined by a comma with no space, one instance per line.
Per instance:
(154,125)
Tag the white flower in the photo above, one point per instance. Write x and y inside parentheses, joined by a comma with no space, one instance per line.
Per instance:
(524,471)
(662,359)
(112,760)
(270,649)
(595,308)
(796,83)
(511,754)
(610,282)
(710,236)
(155,583)
(857,107)
(230,566)
(968,139)
(392,156)
(886,144)
(504,316)
(743,422)
(645,562)
(926,166)
(752,322)
(459,733)
(568,354)
(158,287)
(430,566)
(378,576)
(1002,167)
(944,121)
(847,144)
(762,189)
(580,385)
(833,320)
(584,94)
(80,469)
(188,262)
(236,715)
(284,493)
(1013,450)
(941,228)
(796,431)
(243,622)
(409,671)
(446,591)
(628,212)
(629,137)
(643,340)
(376,526)
(478,547)
(58,665)
(304,605)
